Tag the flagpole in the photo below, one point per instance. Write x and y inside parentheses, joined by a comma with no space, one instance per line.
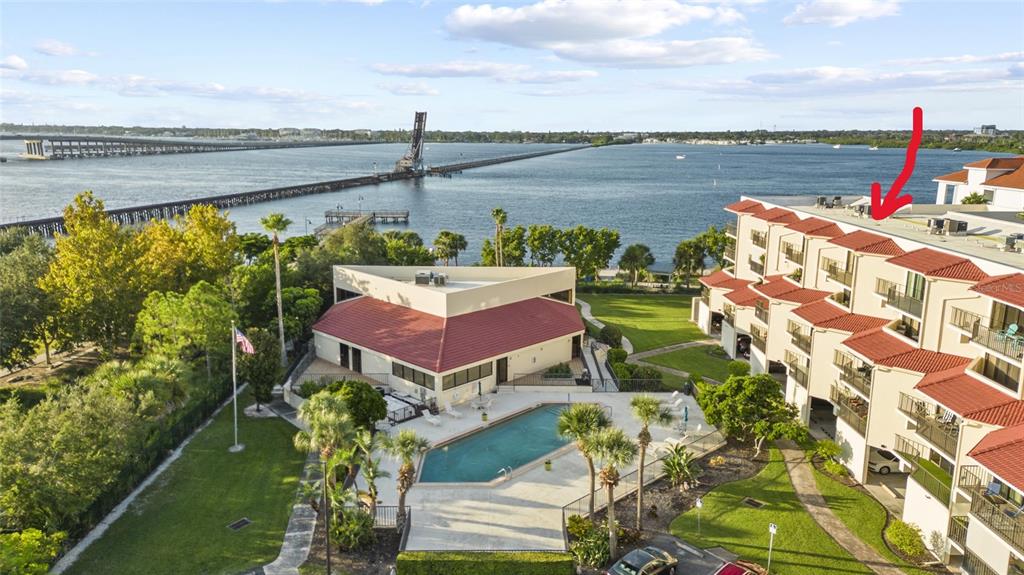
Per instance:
(234,387)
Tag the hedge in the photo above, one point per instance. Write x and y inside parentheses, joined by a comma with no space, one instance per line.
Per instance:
(484,563)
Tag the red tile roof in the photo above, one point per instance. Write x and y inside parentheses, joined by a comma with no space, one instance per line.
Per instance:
(868,243)
(1002,453)
(876,345)
(970,398)
(778,287)
(816,227)
(1008,288)
(722,280)
(439,344)
(819,312)
(745,296)
(960,176)
(1014,179)
(745,207)
(934,263)
(778,216)
(925,361)
(998,163)
(855,323)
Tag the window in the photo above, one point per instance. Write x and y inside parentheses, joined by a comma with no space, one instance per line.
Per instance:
(413,375)
(915,286)
(908,327)
(1003,316)
(564,295)
(1001,371)
(467,375)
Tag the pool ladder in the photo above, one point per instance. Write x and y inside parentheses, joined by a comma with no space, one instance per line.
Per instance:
(505,473)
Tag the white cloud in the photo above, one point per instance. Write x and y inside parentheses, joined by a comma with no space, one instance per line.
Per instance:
(409,89)
(502,72)
(838,13)
(601,32)
(58,77)
(13,62)
(964,59)
(51,47)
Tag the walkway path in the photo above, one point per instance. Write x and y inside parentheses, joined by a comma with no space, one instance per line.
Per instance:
(589,316)
(802,475)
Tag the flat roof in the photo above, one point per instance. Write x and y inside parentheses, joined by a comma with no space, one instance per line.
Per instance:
(912,224)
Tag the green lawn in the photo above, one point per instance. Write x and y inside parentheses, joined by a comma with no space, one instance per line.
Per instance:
(801,547)
(704,360)
(649,321)
(862,515)
(179,524)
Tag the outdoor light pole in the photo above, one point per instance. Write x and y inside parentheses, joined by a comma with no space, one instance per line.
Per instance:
(699,504)
(772,528)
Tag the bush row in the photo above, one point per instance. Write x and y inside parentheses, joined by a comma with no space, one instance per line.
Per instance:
(484,563)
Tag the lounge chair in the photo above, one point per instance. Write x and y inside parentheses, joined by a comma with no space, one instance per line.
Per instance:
(432,419)
(1009,333)
(1014,513)
(448,409)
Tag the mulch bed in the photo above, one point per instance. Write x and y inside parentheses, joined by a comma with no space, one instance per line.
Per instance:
(376,559)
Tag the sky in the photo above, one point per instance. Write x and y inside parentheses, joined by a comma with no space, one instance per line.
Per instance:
(630,65)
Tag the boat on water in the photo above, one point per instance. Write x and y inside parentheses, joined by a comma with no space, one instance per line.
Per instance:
(873,148)
(681,157)
(956,149)
(837,146)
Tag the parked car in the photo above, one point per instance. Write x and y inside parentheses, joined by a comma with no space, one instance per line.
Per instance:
(645,561)
(732,569)
(883,462)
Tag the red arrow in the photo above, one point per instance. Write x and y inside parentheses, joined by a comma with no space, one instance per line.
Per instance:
(882,208)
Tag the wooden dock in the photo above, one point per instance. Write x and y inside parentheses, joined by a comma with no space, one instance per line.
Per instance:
(166,210)
(337,218)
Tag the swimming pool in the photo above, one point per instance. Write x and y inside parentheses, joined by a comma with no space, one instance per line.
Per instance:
(510,443)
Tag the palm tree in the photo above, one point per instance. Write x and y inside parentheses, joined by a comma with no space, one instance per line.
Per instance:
(635,259)
(680,466)
(277,224)
(448,245)
(500,217)
(331,430)
(614,449)
(404,447)
(366,443)
(577,423)
(647,410)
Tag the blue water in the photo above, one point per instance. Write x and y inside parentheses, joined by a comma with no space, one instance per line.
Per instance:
(511,443)
(641,190)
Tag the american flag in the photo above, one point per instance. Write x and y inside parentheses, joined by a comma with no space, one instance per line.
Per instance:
(246,344)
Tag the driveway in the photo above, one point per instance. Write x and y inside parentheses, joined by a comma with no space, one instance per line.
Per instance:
(692,561)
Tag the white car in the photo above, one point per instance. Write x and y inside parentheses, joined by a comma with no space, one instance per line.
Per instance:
(883,462)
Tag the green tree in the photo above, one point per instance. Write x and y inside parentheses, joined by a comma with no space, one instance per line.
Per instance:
(253,245)
(404,447)
(357,245)
(402,252)
(587,249)
(262,369)
(751,408)
(974,198)
(647,410)
(367,443)
(500,217)
(714,240)
(331,430)
(689,259)
(447,246)
(614,450)
(513,246)
(95,275)
(250,286)
(200,246)
(365,404)
(636,258)
(543,241)
(28,552)
(28,314)
(578,423)
(301,309)
(277,224)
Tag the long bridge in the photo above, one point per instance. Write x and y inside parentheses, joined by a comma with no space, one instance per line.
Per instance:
(141,214)
(58,147)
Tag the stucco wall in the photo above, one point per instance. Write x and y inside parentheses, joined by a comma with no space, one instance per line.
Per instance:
(922,509)
(855,450)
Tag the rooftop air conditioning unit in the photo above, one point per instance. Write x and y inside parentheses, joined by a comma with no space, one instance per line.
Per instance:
(936,225)
(423,278)
(441,279)
(1014,243)
(956,227)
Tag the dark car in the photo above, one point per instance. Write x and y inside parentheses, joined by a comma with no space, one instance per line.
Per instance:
(645,561)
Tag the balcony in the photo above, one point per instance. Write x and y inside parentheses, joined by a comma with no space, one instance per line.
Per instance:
(935,480)
(761,313)
(797,371)
(730,253)
(842,298)
(853,410)
(729,314)
(990,338)
(837,271)
(908,329)
(801,340)
(855,374)
(759,239)
(730,229)
(793,253)
(941,431)
(895,296)
(999,515)
(958,530)
(973,565)
(759,338)
(756,267)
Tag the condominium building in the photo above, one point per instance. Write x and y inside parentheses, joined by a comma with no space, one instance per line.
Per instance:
(448,334)
(905,335)
(999,180)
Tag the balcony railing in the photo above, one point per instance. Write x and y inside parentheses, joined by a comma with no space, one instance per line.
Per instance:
(729,314)
(852,410)
(973,565)
(895,296)
(927,474)
(988,337)
(705,296)
(906,329)
(837,271)
(857,378)
(730,253)
(730,229)
(842,298)
(972,476)
(756,267)
(999,515)
(801,340)
(941,431)
(793,253)
(759,339)
(761,313)
(958,529)
(798,373)
(759,239)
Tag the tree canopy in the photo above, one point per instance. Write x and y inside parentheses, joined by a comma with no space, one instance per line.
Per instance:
(635,259)
(750,408)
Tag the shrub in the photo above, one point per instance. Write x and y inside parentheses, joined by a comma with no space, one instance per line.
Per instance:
(28,552)
(560,370)
(353,529)
(309,388)
(617,355)
(485,563)
(716,461)
(834,468)
(578,526)
(622,371)
(591,550)
(610,335)
(738,368)
(906,537)
(365,403)
(827,449)
(646,373)
(680,467)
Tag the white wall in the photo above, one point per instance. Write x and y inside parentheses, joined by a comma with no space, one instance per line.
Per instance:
(855,450)
(989,546)
(798,397)
(928,513)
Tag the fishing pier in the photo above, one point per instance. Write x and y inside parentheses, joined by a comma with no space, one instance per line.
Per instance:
(337,218)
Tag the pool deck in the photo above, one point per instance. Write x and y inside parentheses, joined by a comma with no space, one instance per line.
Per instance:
(524,512)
